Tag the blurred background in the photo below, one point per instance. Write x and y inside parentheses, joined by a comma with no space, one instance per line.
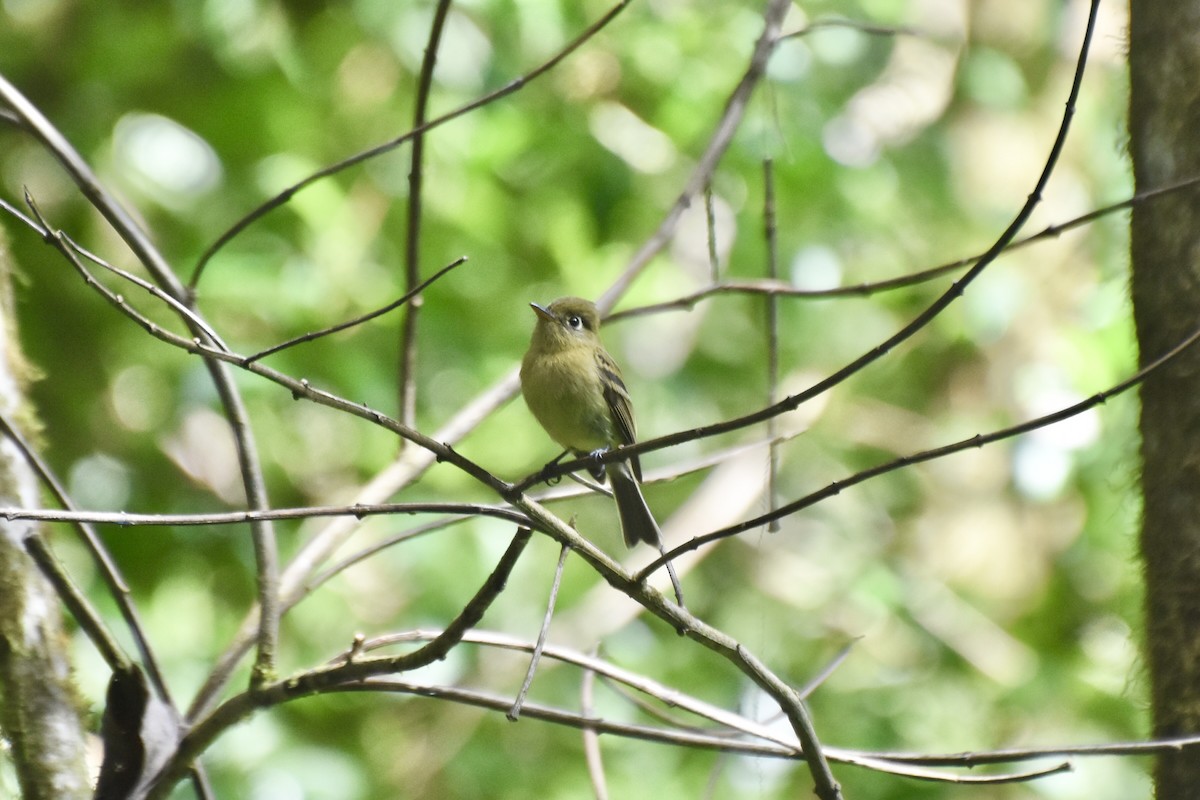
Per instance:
(989,599)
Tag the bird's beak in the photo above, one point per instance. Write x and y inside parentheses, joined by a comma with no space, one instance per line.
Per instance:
(542,312)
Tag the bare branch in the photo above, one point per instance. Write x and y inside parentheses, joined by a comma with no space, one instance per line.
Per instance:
(251,470)
(930,313)
(411,465)
(123,519)
(727,125)
(347,667)
(510,87)
(591,742)
(772,325)
(363,675)
(107,568)
(514,713)
(407,362)
(341,326)
(779,288)
(979,440)
(869,28)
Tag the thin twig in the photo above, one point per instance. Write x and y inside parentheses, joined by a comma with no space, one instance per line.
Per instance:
(710,220)
(383,544)
(918,323)
(345,667)
(402,472)
(772,324)
(110,573)
(126,227)
(468,618)
(767,741)
(125,519)
(726,127)
(191,317)
(341,326)
(298,387)
(90,621)
(685,738)
(407,360)
(869,28)
(783,289)
(731,724)
(339,677)
(973,442)
(591,741)
(514,713)
(815,681)
(510,87)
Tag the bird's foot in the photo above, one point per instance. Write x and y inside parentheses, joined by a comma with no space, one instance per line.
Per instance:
(547,475)
(596,468)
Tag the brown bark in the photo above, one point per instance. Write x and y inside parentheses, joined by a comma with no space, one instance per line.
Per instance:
(1164,121)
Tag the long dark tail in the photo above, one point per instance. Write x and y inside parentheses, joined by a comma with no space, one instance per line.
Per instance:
(637,523)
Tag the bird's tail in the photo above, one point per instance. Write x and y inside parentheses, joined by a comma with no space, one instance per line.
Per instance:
(637,523)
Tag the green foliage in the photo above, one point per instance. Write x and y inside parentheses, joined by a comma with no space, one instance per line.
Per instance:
(991,596)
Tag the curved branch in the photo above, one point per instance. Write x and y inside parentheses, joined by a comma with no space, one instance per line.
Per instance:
(349,669)
(976,441)
(235,412)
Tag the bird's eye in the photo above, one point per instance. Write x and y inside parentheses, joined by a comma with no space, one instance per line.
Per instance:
(575,321)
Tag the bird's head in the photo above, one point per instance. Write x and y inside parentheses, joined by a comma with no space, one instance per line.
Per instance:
(566,322)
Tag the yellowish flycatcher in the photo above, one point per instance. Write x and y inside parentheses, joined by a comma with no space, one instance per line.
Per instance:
(574,389)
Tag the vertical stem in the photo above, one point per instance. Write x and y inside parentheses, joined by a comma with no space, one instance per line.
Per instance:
(772,303)
(412,253)
(514,713)
(710,217)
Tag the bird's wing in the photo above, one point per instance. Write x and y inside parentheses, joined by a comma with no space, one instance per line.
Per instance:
(617,397)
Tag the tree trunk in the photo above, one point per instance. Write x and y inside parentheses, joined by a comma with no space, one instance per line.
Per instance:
(39,713)
(1164,117)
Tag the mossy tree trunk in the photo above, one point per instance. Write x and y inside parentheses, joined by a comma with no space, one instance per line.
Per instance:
(1164,118)
(39,714)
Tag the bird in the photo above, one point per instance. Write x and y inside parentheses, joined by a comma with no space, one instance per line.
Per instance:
(575,391)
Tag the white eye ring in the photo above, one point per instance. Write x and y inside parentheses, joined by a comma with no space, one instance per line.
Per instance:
(575,321)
